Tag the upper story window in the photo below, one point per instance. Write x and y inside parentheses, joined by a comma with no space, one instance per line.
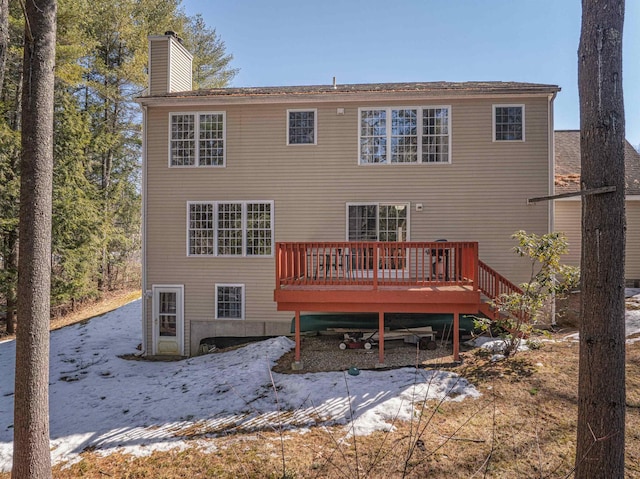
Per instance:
(508,122)
(230,228)
(197,139)
(405,135)
(301,127)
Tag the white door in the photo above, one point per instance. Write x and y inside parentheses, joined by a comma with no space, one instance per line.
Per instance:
(168,320)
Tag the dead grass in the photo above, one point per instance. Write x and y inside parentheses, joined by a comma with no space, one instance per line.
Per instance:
(523,426)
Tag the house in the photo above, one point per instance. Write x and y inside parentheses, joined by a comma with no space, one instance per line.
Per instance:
(262,203)
(568,211)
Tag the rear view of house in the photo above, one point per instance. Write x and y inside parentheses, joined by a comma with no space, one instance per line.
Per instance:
(264,202)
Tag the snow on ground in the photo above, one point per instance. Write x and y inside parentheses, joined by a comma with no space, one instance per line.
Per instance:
(632,319)
(99,400)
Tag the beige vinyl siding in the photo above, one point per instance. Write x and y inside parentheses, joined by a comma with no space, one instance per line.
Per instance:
(159,64)
(568,218)
(632,261)
(180,68)
(481,196)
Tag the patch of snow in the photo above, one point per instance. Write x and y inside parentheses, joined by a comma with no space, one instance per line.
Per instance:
(632,321)
(495,345)
(99,400)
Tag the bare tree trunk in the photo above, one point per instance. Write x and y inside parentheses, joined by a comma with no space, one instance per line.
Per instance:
(4,39)
(11,267)
(601,390)
(31,453)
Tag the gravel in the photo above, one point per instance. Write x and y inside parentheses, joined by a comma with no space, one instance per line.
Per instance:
(323,353)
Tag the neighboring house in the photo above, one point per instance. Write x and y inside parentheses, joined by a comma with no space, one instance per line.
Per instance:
(233,176)
(568,211)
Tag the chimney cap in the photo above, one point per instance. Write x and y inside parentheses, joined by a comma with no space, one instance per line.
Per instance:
(171,33)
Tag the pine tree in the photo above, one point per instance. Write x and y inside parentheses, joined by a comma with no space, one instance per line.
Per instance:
(601,390)
(31,450)
(211,63)
(76,219)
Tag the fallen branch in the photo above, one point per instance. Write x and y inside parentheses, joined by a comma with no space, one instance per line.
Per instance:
(466,439)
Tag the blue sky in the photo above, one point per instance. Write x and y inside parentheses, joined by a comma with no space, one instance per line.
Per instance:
(298,42)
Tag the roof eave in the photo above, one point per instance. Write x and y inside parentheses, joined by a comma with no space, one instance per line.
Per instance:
(192,98)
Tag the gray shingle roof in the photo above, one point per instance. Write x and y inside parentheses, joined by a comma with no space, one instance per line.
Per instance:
(567,171)
(425,87)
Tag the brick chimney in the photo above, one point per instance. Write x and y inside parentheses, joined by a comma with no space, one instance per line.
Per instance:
(169,65)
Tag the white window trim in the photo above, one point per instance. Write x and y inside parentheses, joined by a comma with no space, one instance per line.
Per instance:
(244,204)
(231,285)
(197,138)
(420,130)
(493,122)
(315,125)
(378,204)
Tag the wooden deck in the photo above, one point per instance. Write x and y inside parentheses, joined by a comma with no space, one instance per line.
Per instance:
(383,277)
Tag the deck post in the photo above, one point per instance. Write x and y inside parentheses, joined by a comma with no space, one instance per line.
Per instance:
(381,339)
(375,267)
(456,336)
(297,327)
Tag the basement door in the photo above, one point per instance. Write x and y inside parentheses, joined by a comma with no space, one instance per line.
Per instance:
(168,320)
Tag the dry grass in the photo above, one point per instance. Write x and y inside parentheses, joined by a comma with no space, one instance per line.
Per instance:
(523,426)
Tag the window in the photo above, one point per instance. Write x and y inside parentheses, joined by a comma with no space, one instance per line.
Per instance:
(201,231)
(197,139)
(229,228)
(373,136)
(508,122)
(435,135)
(259,233)
(229,301)
(301,127)
(405,135)
(378,222)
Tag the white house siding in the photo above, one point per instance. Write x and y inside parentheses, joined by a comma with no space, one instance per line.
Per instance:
(481,196)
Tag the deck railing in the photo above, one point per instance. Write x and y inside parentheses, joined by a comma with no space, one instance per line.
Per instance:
(492,284)
(377,264)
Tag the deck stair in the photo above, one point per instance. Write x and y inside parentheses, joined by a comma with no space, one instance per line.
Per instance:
(492,284)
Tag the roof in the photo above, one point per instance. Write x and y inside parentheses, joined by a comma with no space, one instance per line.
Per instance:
(567,170)
(441,87)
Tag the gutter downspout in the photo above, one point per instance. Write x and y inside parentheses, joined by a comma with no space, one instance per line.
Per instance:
(552,189)
(145,295)
(552,162)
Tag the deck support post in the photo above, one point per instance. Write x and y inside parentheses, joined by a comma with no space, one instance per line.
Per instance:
(297,336)
(456,336)
(381,338)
